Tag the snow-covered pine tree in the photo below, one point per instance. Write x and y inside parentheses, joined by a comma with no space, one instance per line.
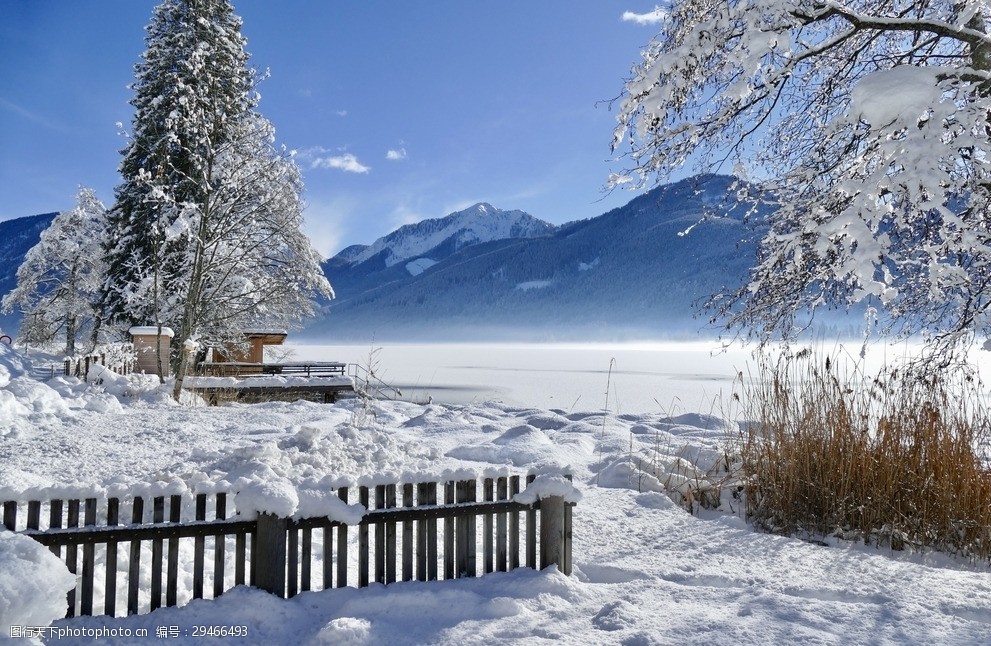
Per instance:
(869,121)
(206,227)
(58,283)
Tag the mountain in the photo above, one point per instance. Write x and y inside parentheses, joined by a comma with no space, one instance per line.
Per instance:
(634,272)
(431,241)
(16,238)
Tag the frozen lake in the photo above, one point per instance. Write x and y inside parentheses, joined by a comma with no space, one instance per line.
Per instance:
(664,377)
(667,377)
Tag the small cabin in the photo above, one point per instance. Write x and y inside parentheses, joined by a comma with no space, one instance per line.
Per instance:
(146,341)
(255,350)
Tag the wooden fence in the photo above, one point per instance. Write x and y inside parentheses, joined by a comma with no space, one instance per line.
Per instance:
(79,367)
(424,531)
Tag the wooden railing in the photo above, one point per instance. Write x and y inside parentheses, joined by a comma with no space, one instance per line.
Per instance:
(248,369)
(80,366)
(414,531)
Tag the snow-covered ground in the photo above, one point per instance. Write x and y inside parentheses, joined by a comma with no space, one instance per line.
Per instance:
(646,571)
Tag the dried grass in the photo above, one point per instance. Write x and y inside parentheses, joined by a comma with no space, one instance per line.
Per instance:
(895,460)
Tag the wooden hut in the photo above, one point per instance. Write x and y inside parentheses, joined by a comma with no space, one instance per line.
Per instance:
(254,352)
(146,340)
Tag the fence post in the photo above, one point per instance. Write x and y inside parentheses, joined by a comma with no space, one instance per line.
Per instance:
(270,574)
(553,538)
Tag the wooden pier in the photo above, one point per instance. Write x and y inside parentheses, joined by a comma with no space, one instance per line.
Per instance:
(250,382)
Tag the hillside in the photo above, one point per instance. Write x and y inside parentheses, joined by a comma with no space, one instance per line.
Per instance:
(16,238)
(634,272)
(638,271)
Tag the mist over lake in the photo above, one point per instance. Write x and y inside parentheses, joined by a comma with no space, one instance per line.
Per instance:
(665,376)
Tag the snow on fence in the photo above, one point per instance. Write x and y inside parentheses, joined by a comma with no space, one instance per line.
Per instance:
(424,531)
(80,366)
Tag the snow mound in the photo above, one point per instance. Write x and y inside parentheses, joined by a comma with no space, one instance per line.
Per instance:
(33,583)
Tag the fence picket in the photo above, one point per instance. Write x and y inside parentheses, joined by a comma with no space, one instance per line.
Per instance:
(531,534)
(219,547)
(464,533)
(488,557)
(342,545)
(431,535)
(71,554)
(305,564)
(502,555)
(363,542)
(89,558)
(471,541)
(110,580)
(328,558)
(449,489)
(239,557)
(380,536)
(34,514)
(134,569)
(10,515)
(390,536)
(514,526)
(199,548)
(422,498)
(407,535)
(172,582)
(158,516)
(292,563)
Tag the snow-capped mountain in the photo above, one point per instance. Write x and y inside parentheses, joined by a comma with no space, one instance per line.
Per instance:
(429,241)
(635,272)
(639,271)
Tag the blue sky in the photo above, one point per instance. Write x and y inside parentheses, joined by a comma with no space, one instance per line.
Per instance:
(398,111)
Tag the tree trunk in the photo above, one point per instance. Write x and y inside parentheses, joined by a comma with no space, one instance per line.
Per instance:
(70,335)
(94,337)
(158,354)
(180,374)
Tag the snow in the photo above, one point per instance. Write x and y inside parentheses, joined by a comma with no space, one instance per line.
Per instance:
(33,583)
(476,224)
(646,571)
(534,284)
(150,329)
(420,265)
(917,89)
(269,381)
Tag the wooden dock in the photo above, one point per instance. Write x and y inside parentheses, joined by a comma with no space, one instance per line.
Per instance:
(240,381)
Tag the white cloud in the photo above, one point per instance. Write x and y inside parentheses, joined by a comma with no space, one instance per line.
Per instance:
(650,18)
(342,113)
(346,162)
(396,155)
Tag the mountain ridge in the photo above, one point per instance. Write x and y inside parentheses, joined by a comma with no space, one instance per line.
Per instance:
(638,271)
(437,238)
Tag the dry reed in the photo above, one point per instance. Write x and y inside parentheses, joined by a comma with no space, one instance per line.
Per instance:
(896,460)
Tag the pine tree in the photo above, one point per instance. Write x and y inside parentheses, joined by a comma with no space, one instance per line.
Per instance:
(59,280)
(207,222)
